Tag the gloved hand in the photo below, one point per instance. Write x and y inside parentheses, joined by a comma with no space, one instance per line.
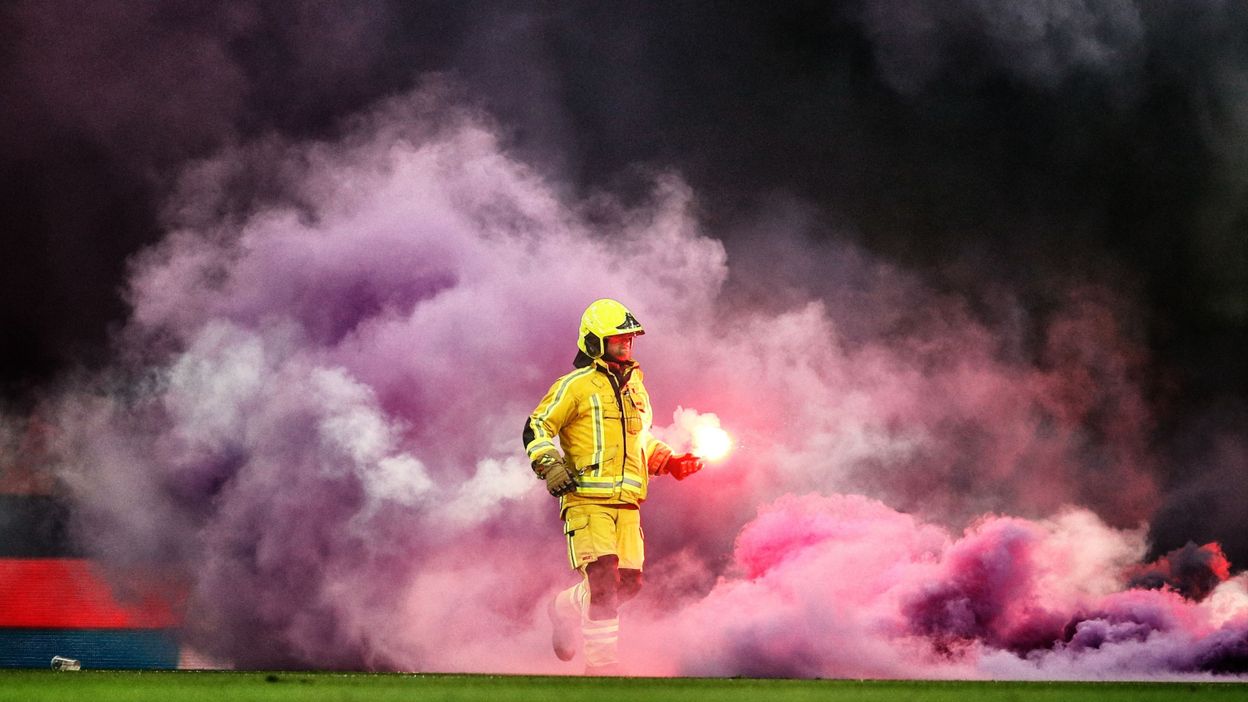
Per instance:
(657,463)
(551,468)
(684,465)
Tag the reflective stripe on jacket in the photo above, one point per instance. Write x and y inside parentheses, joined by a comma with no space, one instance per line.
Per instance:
(604,432)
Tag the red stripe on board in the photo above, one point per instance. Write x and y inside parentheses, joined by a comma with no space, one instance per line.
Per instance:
(71,593)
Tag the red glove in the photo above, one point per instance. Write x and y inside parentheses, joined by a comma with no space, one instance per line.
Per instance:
(684,465)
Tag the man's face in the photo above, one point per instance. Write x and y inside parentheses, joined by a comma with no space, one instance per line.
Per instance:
(620,347)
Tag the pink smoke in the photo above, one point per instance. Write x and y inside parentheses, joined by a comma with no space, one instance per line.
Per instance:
(844,586)
(315,427)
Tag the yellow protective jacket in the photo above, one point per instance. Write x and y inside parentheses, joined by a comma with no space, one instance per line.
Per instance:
(603,427)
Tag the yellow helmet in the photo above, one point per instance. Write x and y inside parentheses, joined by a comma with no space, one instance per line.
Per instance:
(605,318)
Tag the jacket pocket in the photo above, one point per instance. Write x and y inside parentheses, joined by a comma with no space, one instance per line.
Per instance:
(586,465)
(639,400)
(610,408)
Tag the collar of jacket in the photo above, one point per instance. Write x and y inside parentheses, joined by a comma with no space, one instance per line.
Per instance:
(621,371)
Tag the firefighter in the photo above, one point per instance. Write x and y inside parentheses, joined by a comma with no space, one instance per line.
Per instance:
(601,414)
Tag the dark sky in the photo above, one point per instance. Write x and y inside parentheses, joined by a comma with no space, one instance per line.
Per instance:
(980,143)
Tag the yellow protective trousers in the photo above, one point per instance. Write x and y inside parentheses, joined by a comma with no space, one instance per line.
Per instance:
(594,530)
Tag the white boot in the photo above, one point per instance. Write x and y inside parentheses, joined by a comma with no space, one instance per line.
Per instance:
(565,618)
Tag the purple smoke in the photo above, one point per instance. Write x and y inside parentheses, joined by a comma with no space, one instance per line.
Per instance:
(313,433)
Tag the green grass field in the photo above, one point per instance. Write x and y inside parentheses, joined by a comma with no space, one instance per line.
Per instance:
(191,686)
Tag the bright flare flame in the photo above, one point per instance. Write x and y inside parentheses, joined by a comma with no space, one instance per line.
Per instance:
(711,443)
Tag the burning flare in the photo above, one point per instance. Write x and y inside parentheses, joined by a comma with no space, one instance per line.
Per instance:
(700,432)
(711,443)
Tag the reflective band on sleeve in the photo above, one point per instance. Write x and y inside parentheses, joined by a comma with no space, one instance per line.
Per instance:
(539,445)
(554,402)
(563,389)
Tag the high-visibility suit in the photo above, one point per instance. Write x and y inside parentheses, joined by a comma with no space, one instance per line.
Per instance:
(601,415)
(603,426)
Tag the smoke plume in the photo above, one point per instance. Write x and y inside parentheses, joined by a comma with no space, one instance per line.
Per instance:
(312,431)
